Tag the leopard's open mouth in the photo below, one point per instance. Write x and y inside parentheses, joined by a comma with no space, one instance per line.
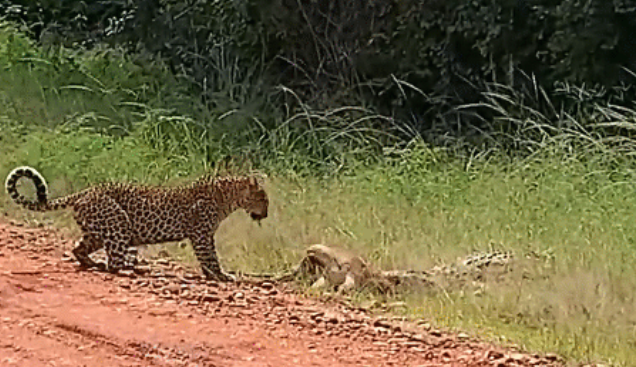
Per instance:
(257,216)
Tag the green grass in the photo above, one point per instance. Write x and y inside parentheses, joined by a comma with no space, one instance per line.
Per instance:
(570,204)
(577,299)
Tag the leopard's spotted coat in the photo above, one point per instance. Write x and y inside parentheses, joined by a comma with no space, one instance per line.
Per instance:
(120,216)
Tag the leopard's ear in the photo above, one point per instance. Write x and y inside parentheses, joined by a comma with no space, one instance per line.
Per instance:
(258,178)
(224,166)
(234,164)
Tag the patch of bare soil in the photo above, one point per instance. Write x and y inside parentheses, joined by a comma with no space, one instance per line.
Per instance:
(54,315)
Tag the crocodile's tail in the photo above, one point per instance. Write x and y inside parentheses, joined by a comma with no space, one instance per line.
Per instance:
(42,202)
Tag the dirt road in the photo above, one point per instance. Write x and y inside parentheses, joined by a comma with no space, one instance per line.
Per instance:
(53,315)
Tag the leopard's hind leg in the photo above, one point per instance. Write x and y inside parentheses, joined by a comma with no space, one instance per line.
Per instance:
(131,258)
(86,245)
(105,222)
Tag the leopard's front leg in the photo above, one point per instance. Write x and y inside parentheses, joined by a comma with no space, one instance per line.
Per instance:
(205,252)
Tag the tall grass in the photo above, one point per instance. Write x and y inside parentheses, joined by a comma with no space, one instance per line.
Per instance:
(564,206)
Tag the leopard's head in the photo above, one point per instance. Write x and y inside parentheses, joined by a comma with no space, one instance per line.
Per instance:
(254,199)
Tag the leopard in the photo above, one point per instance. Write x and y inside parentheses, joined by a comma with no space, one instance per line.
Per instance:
(120,217)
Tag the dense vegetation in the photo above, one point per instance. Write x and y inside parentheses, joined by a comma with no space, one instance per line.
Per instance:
(413,132)
(428,66)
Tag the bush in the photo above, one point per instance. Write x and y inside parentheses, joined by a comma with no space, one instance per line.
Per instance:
(419,62)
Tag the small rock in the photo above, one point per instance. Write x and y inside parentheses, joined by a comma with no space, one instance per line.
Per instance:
(267,285)
(446,355)
(331,317)
(494,355)
(171,288)
(237,296)
(66,257)
(316,314)
(552,357)
(382,323)
(419,338)
(210,298)
(141,283)
(143,269)
(190,276)
(127,273)
(271,292)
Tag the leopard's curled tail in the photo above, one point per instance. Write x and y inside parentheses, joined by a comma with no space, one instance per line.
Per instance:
(42,202)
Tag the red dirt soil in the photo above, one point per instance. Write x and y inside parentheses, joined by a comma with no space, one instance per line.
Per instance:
(52,314)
